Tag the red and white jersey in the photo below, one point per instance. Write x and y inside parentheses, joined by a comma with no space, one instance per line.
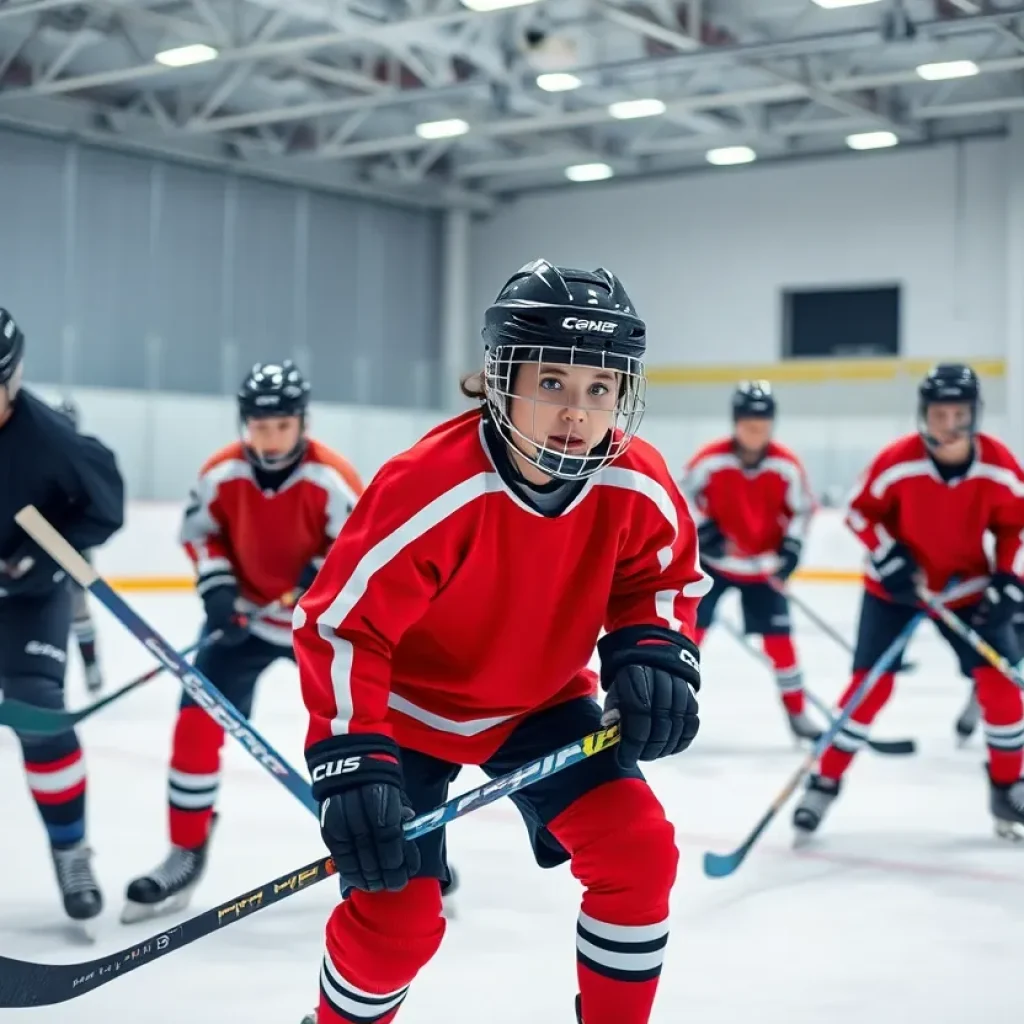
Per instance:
(903,498)
(448,608)
(266,539)
(755,507)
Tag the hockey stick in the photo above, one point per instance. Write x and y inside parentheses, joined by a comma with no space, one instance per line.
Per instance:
(719,865)
(24,983)
(970,636)
(37,721)
(889,747)
(195,684)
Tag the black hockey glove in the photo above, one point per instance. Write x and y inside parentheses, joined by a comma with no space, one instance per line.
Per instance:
(897,571)
(652,676)
(29,570)
(710,540)
(789,558)
(357,781)
(306,578)
(1001,603)
(221,614)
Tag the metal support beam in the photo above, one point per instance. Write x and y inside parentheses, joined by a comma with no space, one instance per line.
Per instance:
(456,334)
(1015,287)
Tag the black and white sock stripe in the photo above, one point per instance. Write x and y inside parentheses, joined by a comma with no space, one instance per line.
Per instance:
(351,1002)
(1005,737)
(188,792)
(851,737)
(621,952)
(218,577)
(790,680)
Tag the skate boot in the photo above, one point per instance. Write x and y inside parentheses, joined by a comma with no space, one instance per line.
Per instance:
(167,888)
(1006,803)
(816,801)
(803,728)
(968,720)
(78,886)
(93,677)
(310,1018)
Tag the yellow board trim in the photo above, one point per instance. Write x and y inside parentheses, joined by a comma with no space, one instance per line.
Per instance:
(812,371)
(168,584)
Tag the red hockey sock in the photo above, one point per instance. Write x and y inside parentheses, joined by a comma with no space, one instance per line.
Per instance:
(851,737)
(623,851)
(376,945)
(1003,713)
(194,777)
(788,677)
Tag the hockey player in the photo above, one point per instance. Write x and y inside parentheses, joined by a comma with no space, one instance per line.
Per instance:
(922,510)
(81,620)
(74,482)
(750,498)
(452,624)
(261,518)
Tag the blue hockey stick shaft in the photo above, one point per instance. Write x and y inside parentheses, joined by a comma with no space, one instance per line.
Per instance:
(195,684)
(719,865)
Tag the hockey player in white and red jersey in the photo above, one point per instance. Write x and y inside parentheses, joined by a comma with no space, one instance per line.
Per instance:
(258,524)
(752,504)
(922,510)
(453,622)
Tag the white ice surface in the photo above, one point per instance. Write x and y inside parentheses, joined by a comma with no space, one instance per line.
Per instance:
(906,908)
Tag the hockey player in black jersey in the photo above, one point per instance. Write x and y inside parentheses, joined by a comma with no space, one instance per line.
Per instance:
(82,624)
(74,482)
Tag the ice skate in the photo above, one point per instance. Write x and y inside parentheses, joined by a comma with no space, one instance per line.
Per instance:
(815,803)
(83,901)
(168,888)
(1006,803)
(310,1018)
(803,728)
(968,719)
(93,677)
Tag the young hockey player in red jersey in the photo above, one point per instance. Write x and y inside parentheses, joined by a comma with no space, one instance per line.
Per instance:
(257,527)
(751,501)
(922,510)
(452,624)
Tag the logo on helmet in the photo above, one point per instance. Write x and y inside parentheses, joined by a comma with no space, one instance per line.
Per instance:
(573,323)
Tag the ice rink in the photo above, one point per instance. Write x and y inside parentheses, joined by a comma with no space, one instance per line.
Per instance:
(905,908)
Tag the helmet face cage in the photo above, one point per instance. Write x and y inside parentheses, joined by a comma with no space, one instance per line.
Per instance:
(951,384)
(501,367)
(273,391)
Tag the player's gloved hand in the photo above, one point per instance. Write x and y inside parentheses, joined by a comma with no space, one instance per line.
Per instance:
(222,614)
(27,570)
(710,540)
(789,558)
(357,780)
(898,572)
(652,676)
(306,577)
(1001,603)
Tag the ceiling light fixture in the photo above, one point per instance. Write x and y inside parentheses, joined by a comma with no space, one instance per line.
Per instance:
(185,56)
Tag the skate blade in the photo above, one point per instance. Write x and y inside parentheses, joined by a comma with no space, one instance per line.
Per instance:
(134,912)
(1009,830)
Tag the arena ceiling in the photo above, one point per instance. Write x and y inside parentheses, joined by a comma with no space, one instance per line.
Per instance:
(441,102)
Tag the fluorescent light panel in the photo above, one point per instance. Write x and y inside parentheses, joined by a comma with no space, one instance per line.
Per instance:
(449,129)
(946,69)
(482,6)
(728,156)
(872,140)
(588,172)
(626,110)
(834,5)
(185,56)
(558,81)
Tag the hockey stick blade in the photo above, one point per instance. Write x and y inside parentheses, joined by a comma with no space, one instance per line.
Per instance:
(24,983)
(194,683)
(892,747)
(37,721)
(719,865)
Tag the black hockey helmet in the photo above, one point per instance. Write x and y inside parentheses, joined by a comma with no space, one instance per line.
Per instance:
(949,382)
(67,408)
(753,399)
(12,346)
(270,390)
(550,314)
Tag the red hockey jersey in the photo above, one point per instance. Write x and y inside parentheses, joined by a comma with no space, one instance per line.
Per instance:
(754,507)
(903,498)
(448,608)
(266,539)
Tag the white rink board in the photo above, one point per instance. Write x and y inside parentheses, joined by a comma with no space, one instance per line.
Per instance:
(907,908)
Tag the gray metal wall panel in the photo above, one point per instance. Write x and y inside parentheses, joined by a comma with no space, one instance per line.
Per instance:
(32,256)
(181,278)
